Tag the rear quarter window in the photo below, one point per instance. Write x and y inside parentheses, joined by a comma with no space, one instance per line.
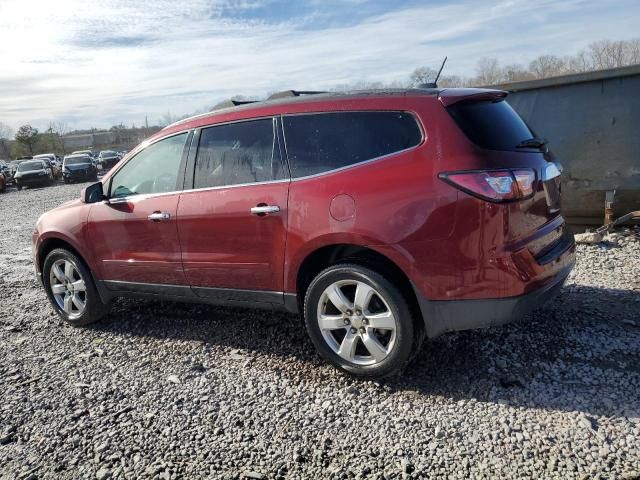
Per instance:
(491,125)
(321,142)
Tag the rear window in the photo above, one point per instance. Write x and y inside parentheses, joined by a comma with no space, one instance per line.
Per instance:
(318,143)
(491,125)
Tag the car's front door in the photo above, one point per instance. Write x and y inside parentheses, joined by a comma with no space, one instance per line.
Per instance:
(232,225)
(133,234)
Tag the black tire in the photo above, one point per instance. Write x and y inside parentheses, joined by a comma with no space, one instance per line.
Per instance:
(66,181)
(94,309)
(405,344)
(19,187)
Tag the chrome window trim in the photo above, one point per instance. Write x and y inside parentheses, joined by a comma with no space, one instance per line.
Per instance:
(144,196)
(423,139)
(224,187)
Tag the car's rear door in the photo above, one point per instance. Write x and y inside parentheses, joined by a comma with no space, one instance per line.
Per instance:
(134,234)
(232,224)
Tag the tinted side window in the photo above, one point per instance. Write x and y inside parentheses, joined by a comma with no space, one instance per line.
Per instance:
(325,141)
(491,125)
(236,153)
(153,170)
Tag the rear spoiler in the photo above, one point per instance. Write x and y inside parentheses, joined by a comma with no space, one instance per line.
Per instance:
(451,96)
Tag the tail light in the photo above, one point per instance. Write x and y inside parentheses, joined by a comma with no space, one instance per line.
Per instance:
(494,185)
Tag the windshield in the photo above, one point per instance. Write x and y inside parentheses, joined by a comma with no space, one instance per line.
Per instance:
(77,160)
(25,166)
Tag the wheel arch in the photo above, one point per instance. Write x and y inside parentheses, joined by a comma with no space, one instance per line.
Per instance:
(335,254)
(48,244)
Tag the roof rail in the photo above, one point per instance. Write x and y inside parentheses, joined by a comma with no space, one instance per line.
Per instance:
(292,93)
(231,103)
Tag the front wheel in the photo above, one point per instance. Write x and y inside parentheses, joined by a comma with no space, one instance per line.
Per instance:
(70,288)
(359,321)
(19,187)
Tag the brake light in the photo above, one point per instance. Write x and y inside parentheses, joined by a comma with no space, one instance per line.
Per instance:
(494,185)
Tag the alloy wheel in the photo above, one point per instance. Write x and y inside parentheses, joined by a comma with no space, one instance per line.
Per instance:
(68,288)
(356,322)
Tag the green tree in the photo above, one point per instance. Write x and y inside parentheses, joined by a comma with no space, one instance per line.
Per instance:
(27,136)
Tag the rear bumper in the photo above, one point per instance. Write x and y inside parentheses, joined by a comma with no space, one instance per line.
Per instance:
(443,316)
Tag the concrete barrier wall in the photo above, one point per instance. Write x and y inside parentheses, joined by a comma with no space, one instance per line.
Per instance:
(592,122)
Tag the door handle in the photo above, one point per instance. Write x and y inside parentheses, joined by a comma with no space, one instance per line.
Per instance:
(264,209)
(159,216)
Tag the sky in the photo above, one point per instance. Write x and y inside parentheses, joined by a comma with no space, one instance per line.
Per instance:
(96,63)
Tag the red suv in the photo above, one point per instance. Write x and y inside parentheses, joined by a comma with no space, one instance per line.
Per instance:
(382,217)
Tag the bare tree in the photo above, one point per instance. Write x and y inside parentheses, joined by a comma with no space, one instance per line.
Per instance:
(580,62)
(452,81)
(5,135)
(60,128)
(608,54)
(547,66)
(5,131)
(489,72)
(516,73)
(422,75)
(632,50)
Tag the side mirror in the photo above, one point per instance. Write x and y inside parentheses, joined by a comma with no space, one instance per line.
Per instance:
(92,193)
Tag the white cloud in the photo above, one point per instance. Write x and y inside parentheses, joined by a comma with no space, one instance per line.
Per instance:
(98,62)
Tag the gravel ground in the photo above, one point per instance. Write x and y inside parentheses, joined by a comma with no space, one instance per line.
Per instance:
(184,391)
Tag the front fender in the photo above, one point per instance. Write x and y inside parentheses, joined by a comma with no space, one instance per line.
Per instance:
(66,224)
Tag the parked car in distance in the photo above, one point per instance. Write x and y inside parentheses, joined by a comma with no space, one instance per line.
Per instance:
(78,167)
(90,153)
(53,162)
(5,169)
(13,167)
(107,159)
(32,173)
(381,217)
(3,182)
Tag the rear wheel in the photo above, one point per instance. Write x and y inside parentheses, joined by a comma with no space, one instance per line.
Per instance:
(359,321)
(70,288)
